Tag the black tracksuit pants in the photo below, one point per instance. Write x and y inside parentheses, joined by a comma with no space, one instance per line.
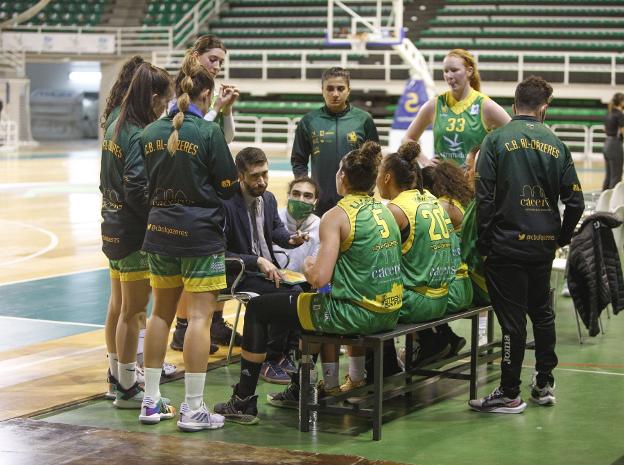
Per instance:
(517,289)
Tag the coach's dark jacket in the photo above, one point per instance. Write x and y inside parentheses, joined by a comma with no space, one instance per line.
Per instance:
(238,230)
(594,270)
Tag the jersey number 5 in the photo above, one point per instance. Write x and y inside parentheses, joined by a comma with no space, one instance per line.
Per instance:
(456,125)
(436,218)
(385,232)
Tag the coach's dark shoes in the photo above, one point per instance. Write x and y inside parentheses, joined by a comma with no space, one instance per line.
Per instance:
(237,410)
(288,398)
(497,402)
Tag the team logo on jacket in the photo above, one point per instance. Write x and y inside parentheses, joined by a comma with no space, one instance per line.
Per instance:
(352,137)
(533,198)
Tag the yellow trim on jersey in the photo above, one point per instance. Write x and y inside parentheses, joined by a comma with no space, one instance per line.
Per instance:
(304,310)
(165,282)
(114,274)
(204,284)
(352,215)
(478,280)
(458,107)
(395,298)
(431,292)
(487,129)
(462,271)
(405,202)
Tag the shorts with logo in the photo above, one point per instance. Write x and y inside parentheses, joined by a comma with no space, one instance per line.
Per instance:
(321,313)
(418,307)
(196,274)
(460,293)
(134,267)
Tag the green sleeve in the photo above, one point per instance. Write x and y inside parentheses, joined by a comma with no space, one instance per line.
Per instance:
(302,148)
(135,177)
(222,168)
(370,130)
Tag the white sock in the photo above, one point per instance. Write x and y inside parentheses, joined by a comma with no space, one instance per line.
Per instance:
(127,374)
(356,368)
(330,374)
(140,347)
(152,383)
(483,323)
(194,389)
(112,365)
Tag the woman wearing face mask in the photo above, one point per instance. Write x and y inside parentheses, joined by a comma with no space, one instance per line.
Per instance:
(462,116)
(328,134)
(299,217)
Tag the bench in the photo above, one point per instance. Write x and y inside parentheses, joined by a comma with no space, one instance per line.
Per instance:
(404,383)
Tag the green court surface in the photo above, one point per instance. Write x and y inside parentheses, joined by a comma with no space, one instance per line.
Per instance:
(585,427)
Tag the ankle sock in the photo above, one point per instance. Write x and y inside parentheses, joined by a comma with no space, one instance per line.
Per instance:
(194,389)
(250,372)
(356,368)
(127,374)
(112,365)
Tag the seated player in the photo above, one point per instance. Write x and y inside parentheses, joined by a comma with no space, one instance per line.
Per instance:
(360,246)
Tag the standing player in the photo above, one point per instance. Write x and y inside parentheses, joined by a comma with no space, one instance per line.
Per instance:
(612,150)
(359,240)
(123,183)
(190,170)
(522,173)
(328,134)
(462,116)
(119,89)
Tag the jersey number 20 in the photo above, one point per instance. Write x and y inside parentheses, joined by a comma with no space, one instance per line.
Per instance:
(436,218)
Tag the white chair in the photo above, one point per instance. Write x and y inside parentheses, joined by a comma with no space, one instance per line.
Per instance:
(617,199)
(604,200)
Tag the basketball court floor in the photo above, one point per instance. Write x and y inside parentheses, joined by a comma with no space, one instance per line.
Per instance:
(53,294)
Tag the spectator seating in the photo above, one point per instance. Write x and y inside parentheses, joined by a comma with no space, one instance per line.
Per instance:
(57,13)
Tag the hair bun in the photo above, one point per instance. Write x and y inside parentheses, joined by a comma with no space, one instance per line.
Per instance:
(409,151)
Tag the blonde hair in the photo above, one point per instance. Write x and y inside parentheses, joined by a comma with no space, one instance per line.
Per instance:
(192,80)
(469,62)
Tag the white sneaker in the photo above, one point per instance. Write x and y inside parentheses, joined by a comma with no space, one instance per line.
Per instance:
(169,369)
(197,420)
(153,411)
(129,398)
(544,395)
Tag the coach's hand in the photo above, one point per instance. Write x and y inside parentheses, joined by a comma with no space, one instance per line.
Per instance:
(270,270)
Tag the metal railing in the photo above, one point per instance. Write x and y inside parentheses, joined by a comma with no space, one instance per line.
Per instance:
(280,130)
(144,39)
(13,62)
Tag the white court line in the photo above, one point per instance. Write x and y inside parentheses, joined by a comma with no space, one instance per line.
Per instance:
(574,370)
(51,245)
(88,270)
(67,323)
(58,357)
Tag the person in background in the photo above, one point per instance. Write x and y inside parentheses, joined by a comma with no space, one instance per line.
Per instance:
(613,150)
(303,195)
(462,116)
(328,134)
(523,171)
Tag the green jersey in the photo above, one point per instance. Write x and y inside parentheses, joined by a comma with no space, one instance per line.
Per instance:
(427,263)
(367,291)
(458,126)
(470,254)
(114,114)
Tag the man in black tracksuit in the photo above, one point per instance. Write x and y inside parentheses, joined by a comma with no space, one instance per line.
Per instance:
(522,172)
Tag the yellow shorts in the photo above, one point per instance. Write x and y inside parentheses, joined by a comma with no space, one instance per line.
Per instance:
(134,267)
(196,274)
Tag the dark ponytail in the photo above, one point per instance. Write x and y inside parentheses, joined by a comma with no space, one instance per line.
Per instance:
(360,167)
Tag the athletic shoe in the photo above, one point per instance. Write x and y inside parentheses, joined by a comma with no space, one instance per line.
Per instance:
(271,372)
(221,332)
(350,385)
(542,395)
(456,343)
(213,348)
(498,403)
(129,398)
(152,412)
(324,392)
(111,393)
(177,341)
(288,398)
(197,420)
(425,355)
(288,365)
(169,369)
(237,410)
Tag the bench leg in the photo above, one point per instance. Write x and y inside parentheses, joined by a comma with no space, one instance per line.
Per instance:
(474,353)
(409,350)
(231,346)
(377,406)
(304,387)
(490,334)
